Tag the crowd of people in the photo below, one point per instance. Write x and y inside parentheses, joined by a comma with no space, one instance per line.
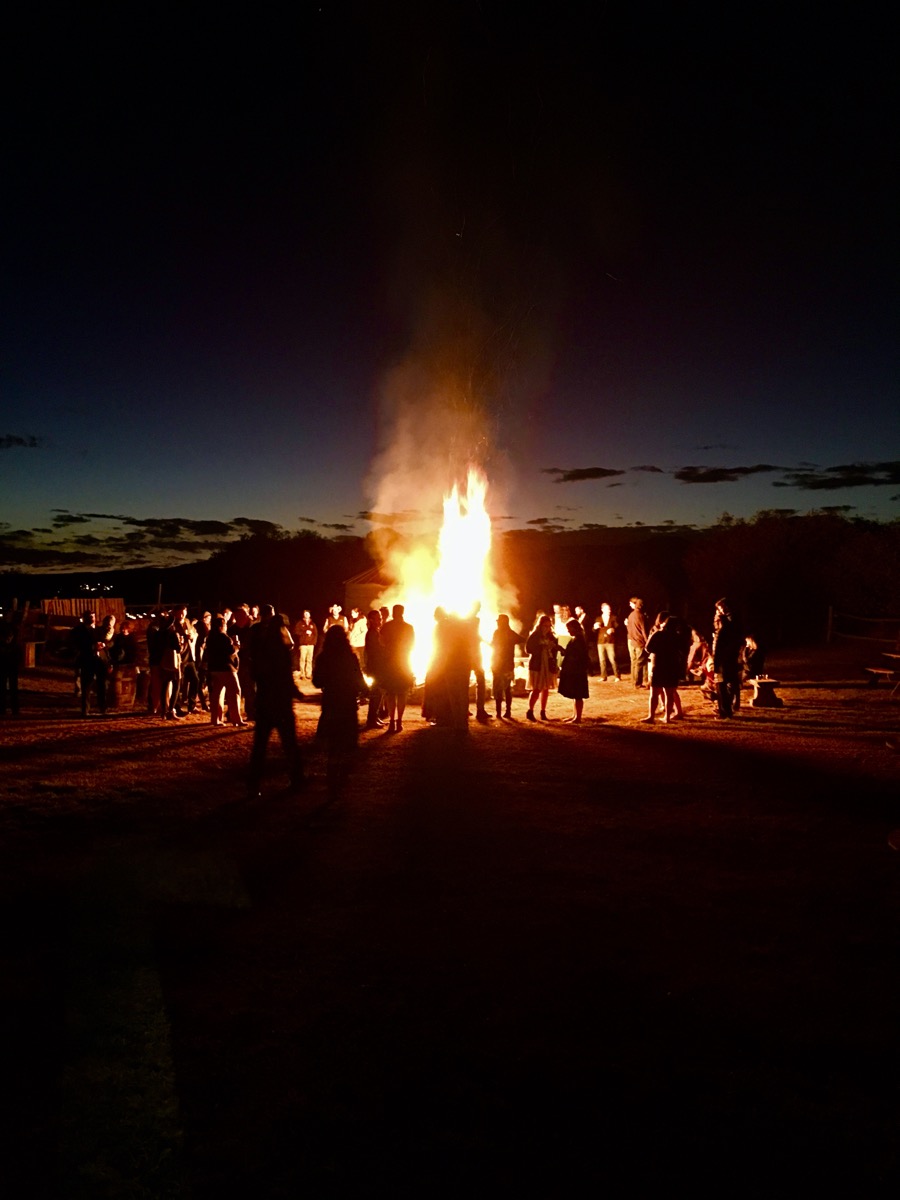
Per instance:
(220,664)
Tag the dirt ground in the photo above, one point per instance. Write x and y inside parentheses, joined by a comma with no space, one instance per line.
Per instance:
(536,957)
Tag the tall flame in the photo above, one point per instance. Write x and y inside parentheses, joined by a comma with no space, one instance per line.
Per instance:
(454,575)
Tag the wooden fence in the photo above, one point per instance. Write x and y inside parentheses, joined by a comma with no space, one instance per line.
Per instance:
(881,631)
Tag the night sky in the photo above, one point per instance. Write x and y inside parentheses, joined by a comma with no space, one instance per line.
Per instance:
(300,269)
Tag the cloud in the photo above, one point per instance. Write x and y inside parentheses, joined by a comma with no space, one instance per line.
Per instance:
(64,519)
(104,540)
(390,518)
(720,474)
(339,526)
(650,470)
(307,520)
(846,475)
(577,474)
(11,441)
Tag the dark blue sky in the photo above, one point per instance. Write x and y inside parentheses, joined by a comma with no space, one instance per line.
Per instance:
(301,269)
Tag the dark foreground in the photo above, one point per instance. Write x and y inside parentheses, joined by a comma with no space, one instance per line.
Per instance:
(530,958)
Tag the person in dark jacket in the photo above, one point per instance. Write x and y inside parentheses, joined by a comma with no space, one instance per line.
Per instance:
(337,672)
(727,646)
(275,695)
(665,648)
(636,629)
(374,668)
(573,674)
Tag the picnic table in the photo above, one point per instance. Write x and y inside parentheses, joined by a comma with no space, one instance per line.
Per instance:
(889,673)
(894,656)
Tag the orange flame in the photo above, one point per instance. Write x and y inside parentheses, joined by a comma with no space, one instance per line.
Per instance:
(455,574)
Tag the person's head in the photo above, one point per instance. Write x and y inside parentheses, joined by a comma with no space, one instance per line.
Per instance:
(307,615)
(267,612)
(573,628)
(254,611)
(662,619)
(219,624)
(723,606)
(354,614)
(385,614)
(335,640)
(397,612)
(207,619)
(374,619)
(503,621)
(605,609)
(636,602)
(335,610)
(89,618)
(544,624)
(179,613)
(276,630)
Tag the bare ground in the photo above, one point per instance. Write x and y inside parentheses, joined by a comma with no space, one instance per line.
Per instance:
(532,957)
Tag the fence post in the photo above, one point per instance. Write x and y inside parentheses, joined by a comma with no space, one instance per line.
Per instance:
(830,625)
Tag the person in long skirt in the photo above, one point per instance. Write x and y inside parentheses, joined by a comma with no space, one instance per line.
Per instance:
(543,648)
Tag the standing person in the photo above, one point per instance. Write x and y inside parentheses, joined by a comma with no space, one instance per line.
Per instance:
(241,625)
(503,664)
(86,639)
(665,649)
(106,662)
(726,648)
(605,631)
(9,664)
(221,656)
(374,657)
(637,640)
(335,617)
(203,628)
(190,678)
(543,648)
(473,628)
(306,635)
(337,672)
(171,641)
(397,641)
(356,635)
(275,695)
(573,674)
(589,640)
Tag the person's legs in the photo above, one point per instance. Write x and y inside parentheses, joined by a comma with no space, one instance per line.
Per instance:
(217,685)
(656,694)
(261,733)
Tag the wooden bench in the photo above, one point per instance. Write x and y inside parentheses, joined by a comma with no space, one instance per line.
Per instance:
(876,673)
